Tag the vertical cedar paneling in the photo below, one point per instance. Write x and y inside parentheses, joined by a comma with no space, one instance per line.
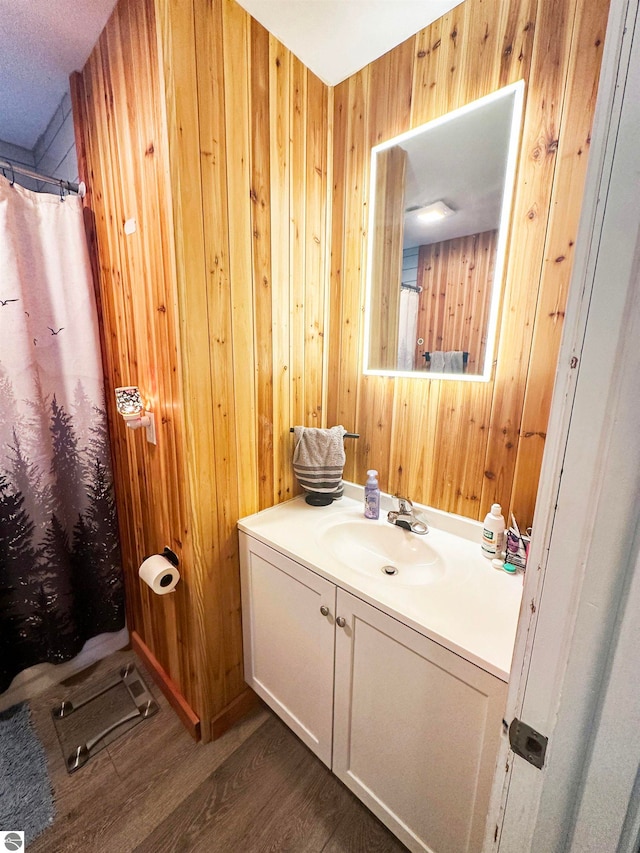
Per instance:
(316,253)
(460,440)
(351,302)
(139,269)
(482,442)
(280,213)
(386,261)
(428,99)
(174,449)
(227,675)
(413,447)
(558,254)
(456,277)
(467,69)
(298,225)
(237,131)
(100,98)
(177,25)
(531,211)
(327,256)
(216,139)
(387,113)
(375,409)
(338,321)
(261,230)
(480,299)
(125,140)
(79,106)
(254,184)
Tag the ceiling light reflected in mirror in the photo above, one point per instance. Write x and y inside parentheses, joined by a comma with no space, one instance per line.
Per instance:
(439,221)
(433,212)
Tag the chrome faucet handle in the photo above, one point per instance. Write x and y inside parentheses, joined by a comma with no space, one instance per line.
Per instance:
(406,518)
(405,506)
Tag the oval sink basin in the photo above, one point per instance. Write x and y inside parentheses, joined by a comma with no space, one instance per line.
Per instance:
(376,550)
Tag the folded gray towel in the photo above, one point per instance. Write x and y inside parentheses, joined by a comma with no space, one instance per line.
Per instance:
(318,459)
(437,362)
(447,362)
(454,361)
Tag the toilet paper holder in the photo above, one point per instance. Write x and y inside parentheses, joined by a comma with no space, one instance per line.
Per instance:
(160,571)
(168,554)
(171,556)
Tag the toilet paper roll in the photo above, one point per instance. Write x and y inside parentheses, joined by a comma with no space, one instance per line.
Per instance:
(158,573)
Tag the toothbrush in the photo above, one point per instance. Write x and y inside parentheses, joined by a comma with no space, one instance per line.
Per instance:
(515,524)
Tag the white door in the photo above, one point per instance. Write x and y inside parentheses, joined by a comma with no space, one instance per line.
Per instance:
(288,633)
(416,730)
(574,642)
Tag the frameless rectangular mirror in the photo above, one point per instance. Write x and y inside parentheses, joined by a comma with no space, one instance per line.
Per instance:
(438,228)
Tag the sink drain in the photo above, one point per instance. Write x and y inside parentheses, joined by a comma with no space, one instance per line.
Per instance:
(389,570)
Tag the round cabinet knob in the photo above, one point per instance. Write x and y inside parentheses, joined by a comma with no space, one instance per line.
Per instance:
(341,621)
(324,610)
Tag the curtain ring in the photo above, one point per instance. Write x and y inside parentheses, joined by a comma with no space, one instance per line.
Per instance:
(13,174)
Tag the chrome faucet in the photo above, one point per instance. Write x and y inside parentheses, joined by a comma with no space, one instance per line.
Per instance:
(406,518)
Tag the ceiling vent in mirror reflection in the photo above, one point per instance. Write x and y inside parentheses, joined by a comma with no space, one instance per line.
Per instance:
(432,213)
(439,224)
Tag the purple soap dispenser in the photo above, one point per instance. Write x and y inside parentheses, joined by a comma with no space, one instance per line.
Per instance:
(372,496)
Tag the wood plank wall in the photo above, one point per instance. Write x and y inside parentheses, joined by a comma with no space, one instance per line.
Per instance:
(459,446)
(123,146)
(248,139)
(237,304)
(456,277)
(211,134)
(386,262)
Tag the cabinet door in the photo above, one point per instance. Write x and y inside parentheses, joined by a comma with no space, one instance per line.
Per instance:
(416,730)
(288,642)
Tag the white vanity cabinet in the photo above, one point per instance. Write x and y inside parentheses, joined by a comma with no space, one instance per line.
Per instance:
(410,727)
(416,730)
(288,635)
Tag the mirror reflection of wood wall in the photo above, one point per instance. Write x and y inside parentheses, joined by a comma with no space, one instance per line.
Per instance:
(387,258)
(456,277)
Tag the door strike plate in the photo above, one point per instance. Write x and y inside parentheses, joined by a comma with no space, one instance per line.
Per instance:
(527,743)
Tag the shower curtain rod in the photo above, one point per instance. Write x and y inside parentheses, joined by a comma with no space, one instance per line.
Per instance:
(7,165)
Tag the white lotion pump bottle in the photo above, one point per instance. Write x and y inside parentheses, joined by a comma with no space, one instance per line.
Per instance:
(493,533)
(372,495)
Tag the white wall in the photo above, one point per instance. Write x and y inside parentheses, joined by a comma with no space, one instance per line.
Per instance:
(21,157)
(54,153)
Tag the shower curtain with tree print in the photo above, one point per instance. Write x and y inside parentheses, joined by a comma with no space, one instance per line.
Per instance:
(60,572)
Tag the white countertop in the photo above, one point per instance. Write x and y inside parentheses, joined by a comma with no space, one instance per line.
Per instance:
(472,609)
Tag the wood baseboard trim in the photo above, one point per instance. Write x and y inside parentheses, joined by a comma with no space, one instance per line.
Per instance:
(234,711)
(187,716)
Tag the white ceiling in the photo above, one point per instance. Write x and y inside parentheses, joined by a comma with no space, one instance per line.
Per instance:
(335,38)
(43,41)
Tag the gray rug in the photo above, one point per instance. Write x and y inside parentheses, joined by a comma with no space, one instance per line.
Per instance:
(26,799)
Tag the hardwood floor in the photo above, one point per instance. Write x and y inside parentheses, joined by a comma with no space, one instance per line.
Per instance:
(154,790)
